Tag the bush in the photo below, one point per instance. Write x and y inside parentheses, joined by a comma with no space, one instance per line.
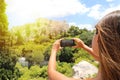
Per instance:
(8,71)
(34,73)
(66,55)
(65,68)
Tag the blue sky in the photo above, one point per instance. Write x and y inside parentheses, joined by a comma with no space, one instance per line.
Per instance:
(82,13)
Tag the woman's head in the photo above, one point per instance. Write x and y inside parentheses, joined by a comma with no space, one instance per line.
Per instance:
(108,31)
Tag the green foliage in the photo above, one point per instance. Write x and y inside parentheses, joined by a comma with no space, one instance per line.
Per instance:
(43,72)
(82,55)
(86,36)
(3,18)
(41,39)
(37,54)
(66,55)
(20,39)
(38,57)
(47,53)
(37,73)
(74,31)
(33,52)
(83,34)
(8,59)
(65,68)
(8,71)
(34,73)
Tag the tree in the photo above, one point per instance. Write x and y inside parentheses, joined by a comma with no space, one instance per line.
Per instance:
(3,18)
(83,34)
(19,38)
(86,36)
(8,71)
(66,55)
(3,24)
(8,59)
(74,31)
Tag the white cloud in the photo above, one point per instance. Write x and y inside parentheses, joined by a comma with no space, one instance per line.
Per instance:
(110,9)
(45,8)
(82,26)
(109,0)
(23,11)
(72,24)
(87,26)
(97,11)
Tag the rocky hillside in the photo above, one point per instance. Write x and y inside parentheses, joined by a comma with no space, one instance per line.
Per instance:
(42,27)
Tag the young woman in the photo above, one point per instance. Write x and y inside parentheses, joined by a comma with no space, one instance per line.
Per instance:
(105,49)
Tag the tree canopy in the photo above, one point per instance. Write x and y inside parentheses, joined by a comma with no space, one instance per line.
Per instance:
(8,59)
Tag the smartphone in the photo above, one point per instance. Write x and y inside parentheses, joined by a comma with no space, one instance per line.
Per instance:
(67,43)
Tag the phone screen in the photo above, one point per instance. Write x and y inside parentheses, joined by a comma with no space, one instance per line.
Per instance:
(67,43)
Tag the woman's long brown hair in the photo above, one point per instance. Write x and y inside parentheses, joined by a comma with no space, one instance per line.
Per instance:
(109,45)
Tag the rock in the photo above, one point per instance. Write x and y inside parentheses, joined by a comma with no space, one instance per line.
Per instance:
(23,61)
(84,69)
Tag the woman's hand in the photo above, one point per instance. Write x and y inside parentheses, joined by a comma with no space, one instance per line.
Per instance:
(56,45)
(79,43)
